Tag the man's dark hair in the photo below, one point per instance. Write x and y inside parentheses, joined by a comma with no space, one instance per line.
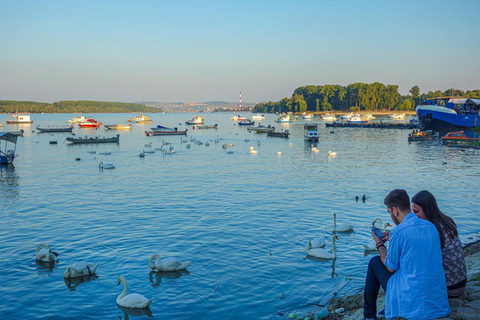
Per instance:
(398,198)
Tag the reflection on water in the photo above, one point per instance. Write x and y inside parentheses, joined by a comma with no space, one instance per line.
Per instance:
(73,283)
(44,268)
(130,312)
(8,184)
(333,273)
(156,277)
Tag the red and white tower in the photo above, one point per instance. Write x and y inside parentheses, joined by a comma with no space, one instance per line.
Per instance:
(240,97)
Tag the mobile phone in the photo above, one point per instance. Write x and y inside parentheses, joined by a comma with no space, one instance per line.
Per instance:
(378,232)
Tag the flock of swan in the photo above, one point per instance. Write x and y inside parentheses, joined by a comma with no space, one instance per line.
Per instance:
(315,247)
(133,300)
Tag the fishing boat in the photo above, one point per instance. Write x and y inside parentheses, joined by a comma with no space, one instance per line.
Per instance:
(140,119)
(195,120)
(311,132)
(19,119)
(449,114)
(165,131)
(54,129)
(237,117)
(118,126)
(215,126)
(246,122)
(278,134)
(87,140)
(7,155)
(79,119)
(427,135)
(258,117)
(329,117)
(18,133)
(460,138)
(355,119)
(261,128)
(90,123)
(397,116)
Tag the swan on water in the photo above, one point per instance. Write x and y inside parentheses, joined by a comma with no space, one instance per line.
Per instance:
(343,227)
(167,264)
(44,253)
(253,151)
(318,242)
(133,300)
(331,153)
(279,153)
(80,269)
(101,165)
(322,253)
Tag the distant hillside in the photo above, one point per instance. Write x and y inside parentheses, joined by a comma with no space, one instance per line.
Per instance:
(209,106)
(10,106)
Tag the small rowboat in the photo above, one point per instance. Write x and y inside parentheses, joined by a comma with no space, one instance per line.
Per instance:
(55,129)
(215,126)
(118,126)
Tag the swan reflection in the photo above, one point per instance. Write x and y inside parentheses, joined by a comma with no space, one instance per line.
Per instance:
(73,283)
(132,312)
(156,277)
(44,268)
(333,273)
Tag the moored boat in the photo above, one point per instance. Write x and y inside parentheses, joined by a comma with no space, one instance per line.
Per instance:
(261,128)
(427,135)
(215,126)
(90,123)
(195,120)
(165,131)
(54,129)
(20,118)
(460,138)
(258,117)
(246,122)
(308,116)
(237,117)
(311,132)
(397,116)
(118,126)
(140,119)
(278,134)
(7,155)
(329,117)
(449,114)
(286,118)
(78,119)
(86,140)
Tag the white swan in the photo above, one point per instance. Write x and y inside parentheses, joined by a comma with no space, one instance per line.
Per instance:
(331,153)
(372,245)
(80,269)
(167,264)
(344,227)
(316,243)
(44,253)
(322,253)
(101,165)
(133,300)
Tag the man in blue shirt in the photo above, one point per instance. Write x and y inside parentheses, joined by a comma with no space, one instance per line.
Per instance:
(411,273)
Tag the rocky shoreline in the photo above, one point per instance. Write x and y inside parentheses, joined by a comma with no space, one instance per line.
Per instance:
(467,307)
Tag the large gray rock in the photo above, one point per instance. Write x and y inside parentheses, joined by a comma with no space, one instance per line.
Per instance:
(464,313)
(474,304)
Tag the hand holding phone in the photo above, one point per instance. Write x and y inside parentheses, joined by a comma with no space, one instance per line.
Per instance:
(378,233)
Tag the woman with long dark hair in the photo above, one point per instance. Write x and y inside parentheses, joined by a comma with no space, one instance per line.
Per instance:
(424,205)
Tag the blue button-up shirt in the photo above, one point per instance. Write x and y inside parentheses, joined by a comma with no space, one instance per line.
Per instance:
(417,289)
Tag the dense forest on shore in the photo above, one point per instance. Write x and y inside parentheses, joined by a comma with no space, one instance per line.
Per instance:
(354,97)
(8,106)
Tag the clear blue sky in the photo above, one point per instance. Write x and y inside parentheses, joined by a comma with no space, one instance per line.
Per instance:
(210,50)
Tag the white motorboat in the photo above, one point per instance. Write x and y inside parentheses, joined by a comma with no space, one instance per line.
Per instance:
(260,128)
(258,117)
(140,119)
(397,116)
(286,118)
(79,119)
(329,117)
(118,126)
(237,117)
(308,116)
(348,116)
(195,120)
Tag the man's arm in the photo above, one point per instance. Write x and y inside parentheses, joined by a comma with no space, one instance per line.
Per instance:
(382,251)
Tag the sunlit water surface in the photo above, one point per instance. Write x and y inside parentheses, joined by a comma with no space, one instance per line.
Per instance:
(242,219)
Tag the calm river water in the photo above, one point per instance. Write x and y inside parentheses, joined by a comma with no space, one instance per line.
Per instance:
(242,219)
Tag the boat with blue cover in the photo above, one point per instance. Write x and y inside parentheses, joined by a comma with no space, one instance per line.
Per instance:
(449,114)
(9,140)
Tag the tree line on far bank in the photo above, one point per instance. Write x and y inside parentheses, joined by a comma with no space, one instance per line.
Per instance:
(10,106)
(354,97)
